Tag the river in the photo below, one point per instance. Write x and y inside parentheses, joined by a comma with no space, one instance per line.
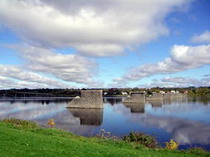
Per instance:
(186,120)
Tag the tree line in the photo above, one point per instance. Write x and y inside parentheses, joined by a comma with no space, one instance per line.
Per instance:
(46,92)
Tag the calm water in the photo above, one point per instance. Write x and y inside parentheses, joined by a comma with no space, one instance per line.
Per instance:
(186,120)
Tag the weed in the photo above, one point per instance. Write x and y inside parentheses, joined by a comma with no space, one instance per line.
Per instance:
(197,150)
(21,123)
(106,135)
(141,138)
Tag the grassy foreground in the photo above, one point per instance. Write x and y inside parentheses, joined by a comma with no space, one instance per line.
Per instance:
(26,139)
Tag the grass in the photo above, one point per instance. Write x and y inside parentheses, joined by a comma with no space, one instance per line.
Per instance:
(22,138)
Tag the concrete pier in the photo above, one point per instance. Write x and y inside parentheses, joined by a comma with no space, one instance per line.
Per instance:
(139,97)
(155,97)
(174,95)
(135,97)
(89,99)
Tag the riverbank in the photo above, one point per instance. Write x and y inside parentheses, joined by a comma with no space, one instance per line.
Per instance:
(28,139)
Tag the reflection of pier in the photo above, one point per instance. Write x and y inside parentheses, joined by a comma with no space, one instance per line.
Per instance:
(204,100)
(135,107)
(88,116)
(167,101)
(112,101)
(156,103)
(169,98)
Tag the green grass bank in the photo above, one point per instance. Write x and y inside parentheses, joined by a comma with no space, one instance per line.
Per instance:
(22,139)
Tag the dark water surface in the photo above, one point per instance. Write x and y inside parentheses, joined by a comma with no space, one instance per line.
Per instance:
(186,120)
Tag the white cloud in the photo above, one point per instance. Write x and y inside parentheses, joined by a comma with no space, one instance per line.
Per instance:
(101,50)
(15,77)
(201,38)
(181,81)
(70,67)
(92,27)
(177,82)
(181,58)
(159,83)
(5,82)
(65,68)
(118,83)
(206,75)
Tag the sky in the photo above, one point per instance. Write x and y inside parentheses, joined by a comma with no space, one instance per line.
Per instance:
(104,44)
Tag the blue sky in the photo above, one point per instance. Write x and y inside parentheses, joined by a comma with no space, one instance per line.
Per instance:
(95,43)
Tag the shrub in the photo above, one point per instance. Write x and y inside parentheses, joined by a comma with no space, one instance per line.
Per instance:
(197,150)
(172,145)
(51,123)
(141,138)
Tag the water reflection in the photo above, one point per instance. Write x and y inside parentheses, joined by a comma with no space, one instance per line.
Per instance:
(179,100)
(158,103)
(88,116)
(183,131)
(30,111)
(135,107)
(186,120)
(41,100)
(112,101)
(204,100)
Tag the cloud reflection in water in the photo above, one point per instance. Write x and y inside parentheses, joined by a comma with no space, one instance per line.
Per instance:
(186,121)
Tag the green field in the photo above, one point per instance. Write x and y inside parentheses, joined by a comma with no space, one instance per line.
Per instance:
(30,140)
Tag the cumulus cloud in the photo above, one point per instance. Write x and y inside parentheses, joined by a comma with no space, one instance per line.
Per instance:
(5,82)
(206,75)
(70,67)
(201,38)
(118,83)
(159,83)
(177,82)
(181,58)
(181,81)
(15,77)
(9,83)
(96,28)
(59,69)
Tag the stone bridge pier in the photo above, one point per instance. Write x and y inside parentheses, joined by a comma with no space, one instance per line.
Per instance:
(92,99)
(155,97)
(135,97)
